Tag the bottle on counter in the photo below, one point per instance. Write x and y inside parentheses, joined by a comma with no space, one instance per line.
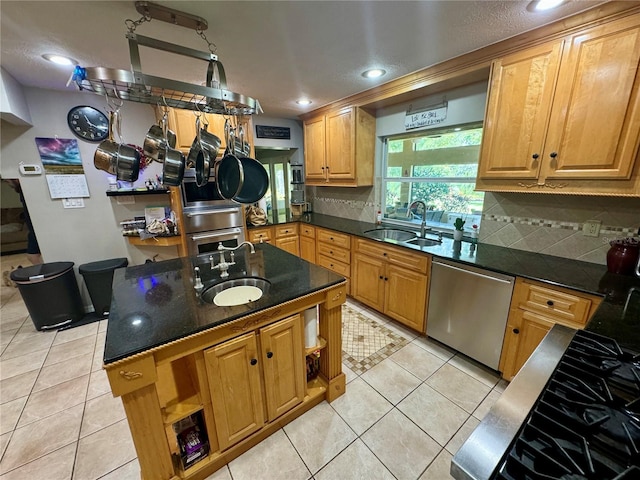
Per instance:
(379,218)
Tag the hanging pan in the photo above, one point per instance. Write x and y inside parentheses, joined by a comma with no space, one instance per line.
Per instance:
(228,170)
(256,179)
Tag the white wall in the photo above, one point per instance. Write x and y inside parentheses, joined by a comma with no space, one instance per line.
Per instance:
(84,234)
(296,141)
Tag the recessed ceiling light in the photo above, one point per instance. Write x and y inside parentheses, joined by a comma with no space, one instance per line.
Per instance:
(540,5)
(374,73)
(303,101)
(59,59)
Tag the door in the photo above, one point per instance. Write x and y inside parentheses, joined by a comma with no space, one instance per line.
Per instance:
(406,297)
(282,360)
(340,145)
(533,329)
(288,244)
(236,393)
(596,99)
(368,281)
(314,150)
(521,92)
(308,249)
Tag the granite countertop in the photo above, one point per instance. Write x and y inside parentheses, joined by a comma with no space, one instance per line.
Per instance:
(617,317)
(155,303)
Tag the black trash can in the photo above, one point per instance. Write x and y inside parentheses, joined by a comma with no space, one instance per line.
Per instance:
(98,276)
(50,293)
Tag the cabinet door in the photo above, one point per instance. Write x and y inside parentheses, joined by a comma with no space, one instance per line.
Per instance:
(406,297)
(368,281)
(533,329)
(314,150)
(283,362)
(518,107)
(340,145)
(183,124)
(289,244)
(236,393)
(308,249)
(595,120)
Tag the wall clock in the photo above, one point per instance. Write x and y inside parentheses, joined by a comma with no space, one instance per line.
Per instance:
(88,123)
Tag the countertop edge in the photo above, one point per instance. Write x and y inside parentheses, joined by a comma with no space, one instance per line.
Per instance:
(482,452)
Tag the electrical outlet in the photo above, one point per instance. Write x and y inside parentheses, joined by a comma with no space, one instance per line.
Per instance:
(73,203)
(591,228)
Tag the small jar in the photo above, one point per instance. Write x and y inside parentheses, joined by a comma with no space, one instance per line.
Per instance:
(622,257)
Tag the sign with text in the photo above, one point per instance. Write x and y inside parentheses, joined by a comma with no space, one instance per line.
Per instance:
(425,118)
(278,133)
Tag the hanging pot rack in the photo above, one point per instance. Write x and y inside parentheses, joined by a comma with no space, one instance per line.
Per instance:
(137,86)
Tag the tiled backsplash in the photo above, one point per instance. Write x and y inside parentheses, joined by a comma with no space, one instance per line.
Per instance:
(352,203)
(552,224)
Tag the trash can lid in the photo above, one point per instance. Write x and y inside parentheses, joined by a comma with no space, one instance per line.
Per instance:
(44,270)
(103,265)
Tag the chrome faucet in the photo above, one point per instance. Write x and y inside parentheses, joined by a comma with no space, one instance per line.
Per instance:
(423,225)
(223,265)
(198,285)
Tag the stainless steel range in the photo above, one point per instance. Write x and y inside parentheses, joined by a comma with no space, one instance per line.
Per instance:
(585,425)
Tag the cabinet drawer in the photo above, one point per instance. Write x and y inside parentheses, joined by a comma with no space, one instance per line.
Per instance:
(335,253)
(260,235)
(396,256)
(307,231)
(286,230)
(556,304)
(334,238)
(334,265)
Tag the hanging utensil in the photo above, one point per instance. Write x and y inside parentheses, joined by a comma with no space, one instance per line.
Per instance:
(228,171)
(157,138)
(256,179)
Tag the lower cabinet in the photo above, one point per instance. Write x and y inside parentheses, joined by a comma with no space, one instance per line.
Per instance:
(238,369)
(393,281)
(287,238)
(308,243)
(535,309)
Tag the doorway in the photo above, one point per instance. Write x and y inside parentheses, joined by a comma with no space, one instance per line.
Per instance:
(277,163)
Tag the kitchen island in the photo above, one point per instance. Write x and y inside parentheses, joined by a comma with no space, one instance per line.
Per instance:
(202,383)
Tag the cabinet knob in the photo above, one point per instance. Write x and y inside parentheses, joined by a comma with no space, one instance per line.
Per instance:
(516,331)
(269,354)
(385,279)
(253,361)
(553,154)
(381,277)
(535,156)
(384,254)
(550,303)
(331,252)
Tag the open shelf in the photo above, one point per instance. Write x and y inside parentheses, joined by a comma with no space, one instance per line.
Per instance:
(134,192)
(172,241)
(182,409)
(321,344)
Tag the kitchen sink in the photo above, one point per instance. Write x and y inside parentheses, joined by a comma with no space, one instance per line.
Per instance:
(390,234)
(236,291)
(424,242)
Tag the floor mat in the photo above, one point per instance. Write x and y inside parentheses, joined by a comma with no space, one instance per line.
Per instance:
(365,341)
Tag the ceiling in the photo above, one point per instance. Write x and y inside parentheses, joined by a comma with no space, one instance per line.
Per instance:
(274,51)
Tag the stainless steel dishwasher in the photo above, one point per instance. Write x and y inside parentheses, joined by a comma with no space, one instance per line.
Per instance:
(468,309)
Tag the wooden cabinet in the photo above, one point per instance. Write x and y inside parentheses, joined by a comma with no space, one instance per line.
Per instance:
(392,280)
(237,369)
(564,117)
(308,243)
(183,124)
(339,148)
(535,308)
(286,238)
(333,251)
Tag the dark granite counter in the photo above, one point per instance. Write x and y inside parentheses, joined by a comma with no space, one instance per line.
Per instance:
(617,317)
(155,303)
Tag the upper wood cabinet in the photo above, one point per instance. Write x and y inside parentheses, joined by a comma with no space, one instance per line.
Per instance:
(339,148)
(564,117)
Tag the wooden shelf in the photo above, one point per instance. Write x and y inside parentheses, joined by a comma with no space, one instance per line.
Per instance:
(321,344)
(122,193)
(315,388)
(172,241)
(181,410)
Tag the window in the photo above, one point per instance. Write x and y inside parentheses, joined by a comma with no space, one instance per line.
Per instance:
(439,167)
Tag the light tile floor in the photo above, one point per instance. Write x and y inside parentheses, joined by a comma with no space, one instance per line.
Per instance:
(401,419)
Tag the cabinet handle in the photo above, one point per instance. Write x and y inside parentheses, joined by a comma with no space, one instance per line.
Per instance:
(331,238)
(384,254)
(253,361)
(553,154)
(381,277)
(385,279)
(535,156)
(516,331)
(550,303)
(331,252)
(269,354)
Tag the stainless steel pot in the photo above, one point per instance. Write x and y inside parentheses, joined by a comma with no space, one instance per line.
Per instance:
(117,158)
(106,155)
(203,152)
(173,168)
(158,138)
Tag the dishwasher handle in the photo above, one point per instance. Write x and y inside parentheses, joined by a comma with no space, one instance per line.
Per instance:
(464,270)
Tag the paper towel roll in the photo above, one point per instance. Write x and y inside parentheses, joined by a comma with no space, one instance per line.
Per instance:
(311,327)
